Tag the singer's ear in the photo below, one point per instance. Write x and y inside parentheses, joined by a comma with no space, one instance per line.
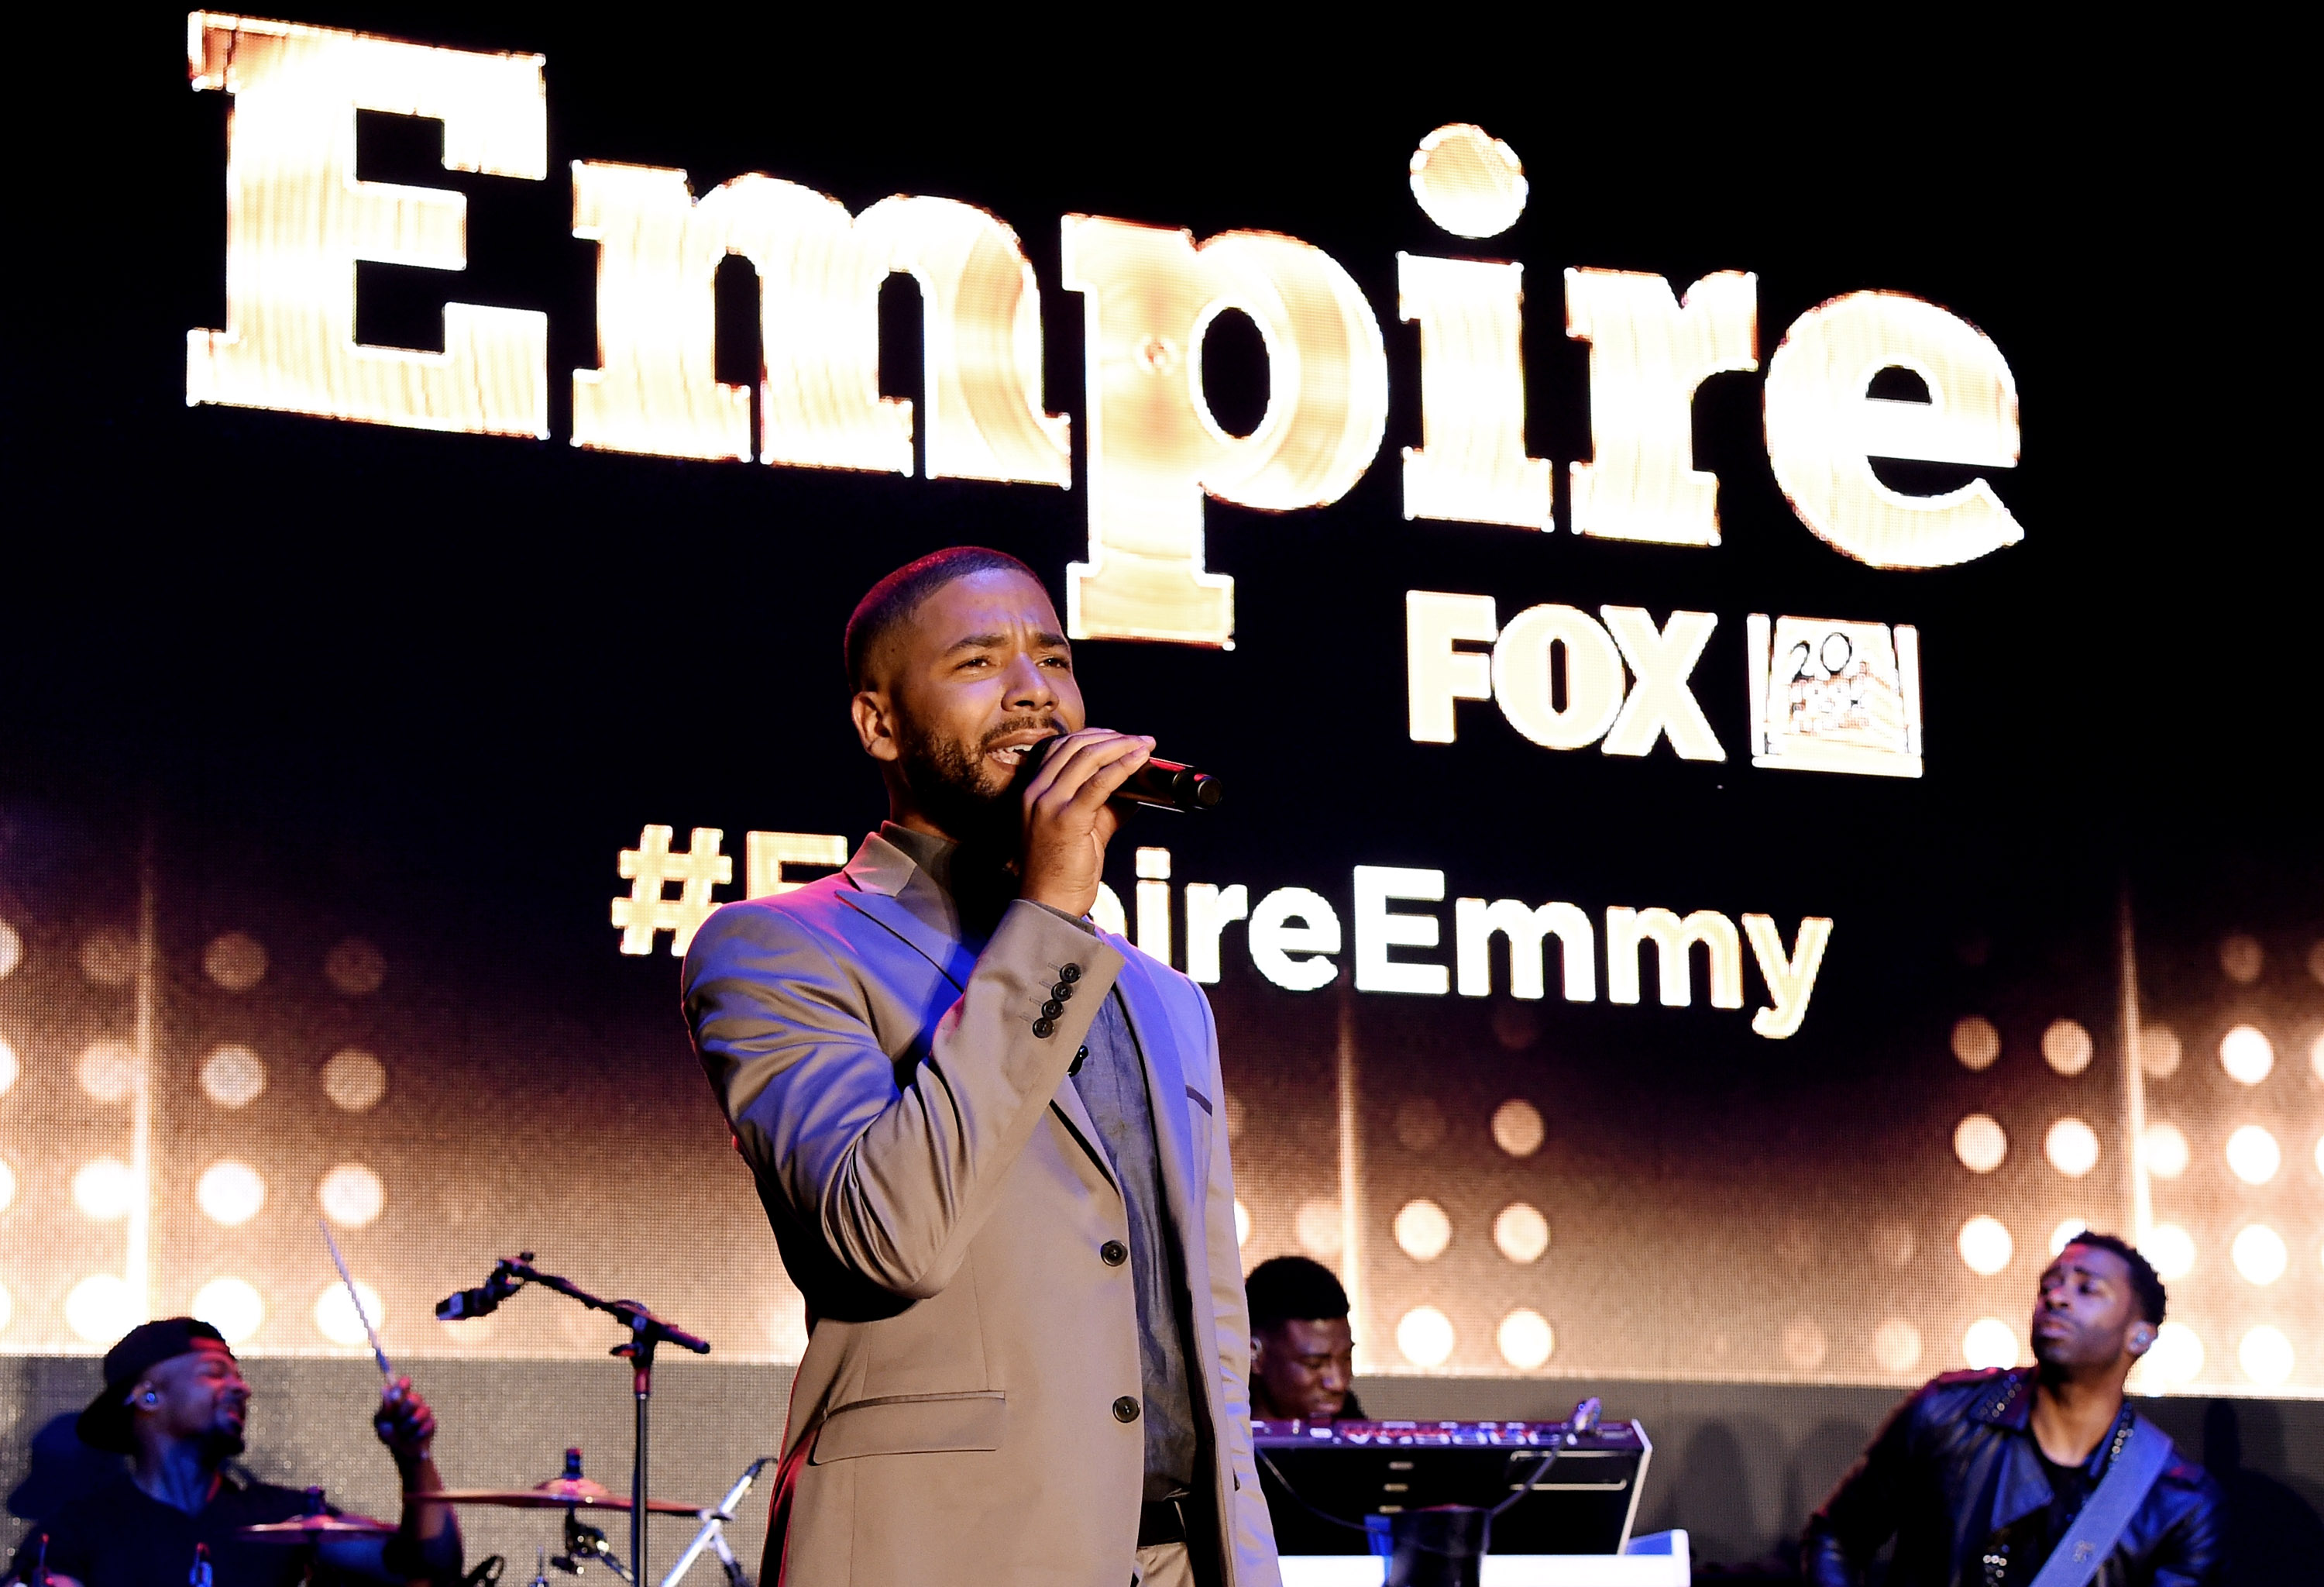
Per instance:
(2142,1338)
(874,711)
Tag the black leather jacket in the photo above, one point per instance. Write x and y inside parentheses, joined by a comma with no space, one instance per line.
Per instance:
(1956,1469)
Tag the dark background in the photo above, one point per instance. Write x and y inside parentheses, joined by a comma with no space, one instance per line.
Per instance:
(348,678)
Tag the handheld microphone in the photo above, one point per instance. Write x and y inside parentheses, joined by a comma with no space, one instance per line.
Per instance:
(1165,785)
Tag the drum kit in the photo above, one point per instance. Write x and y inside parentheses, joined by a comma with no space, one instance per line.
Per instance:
(572,1492)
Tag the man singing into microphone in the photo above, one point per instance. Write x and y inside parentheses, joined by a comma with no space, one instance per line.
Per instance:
(989,1141)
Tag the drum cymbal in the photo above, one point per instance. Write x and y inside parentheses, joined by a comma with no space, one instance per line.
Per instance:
(303,1529)
(556,1493)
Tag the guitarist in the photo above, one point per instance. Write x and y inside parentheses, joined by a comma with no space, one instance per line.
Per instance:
(2044,1478)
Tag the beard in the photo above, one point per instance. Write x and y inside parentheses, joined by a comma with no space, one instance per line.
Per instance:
(221,1443)
(959,789)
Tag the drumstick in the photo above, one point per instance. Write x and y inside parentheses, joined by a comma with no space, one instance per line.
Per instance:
(363,1317)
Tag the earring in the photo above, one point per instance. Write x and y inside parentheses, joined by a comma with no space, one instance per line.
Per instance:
(152,1397)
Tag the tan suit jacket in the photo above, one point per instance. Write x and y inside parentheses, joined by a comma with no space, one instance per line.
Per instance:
(941,1197)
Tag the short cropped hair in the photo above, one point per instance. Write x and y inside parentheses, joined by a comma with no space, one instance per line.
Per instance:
(1284,1289)
(889,604)
(2145,1283)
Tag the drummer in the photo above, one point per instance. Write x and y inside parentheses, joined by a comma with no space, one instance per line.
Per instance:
(175,1403)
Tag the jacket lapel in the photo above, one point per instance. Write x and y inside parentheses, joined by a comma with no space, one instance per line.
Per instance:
(886,887)
(1068,1106)
(1162,1043)
(2020,1486)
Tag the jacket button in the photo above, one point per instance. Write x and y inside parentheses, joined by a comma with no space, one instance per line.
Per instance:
(1063,991)
(1070,972)
(1125,1409)
(1113,1253)
(1045,1028)
(1051,1009)
(1080,1058)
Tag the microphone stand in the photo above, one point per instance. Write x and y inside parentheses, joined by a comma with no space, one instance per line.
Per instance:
(713,1534)
(646,1332)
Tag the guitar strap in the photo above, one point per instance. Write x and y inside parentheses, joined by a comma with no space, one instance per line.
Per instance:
(2129,1477)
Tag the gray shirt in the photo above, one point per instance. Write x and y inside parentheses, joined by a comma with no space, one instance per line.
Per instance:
(1109,1074)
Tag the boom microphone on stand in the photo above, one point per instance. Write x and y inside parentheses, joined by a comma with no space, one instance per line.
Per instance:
(1166,785)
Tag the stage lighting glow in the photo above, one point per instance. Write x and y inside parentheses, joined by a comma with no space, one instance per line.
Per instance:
(1824,430)
(1320,1228)
(2067,1047)
(2175,1358)
(233,1076)
(2316,961)
(1424,1335)
(1989,1343)
(354,1080)
(1155,449)
(2266,1356)
(1975,1042)
(2067,1232)
(2316,1056)
(9,1067)
(12,952)
(2163,1150)
(7,1185)
(1896,1345)
(1805,1343)
(355,967)
(232,1306)
(2159,1051)
(2072,1148)
(1471,466)
(1985,1245)
(1649,351)
(1980,1143)
(351,1196)
(2171,1250)
(2260,1254)
(297,220)
(236,961)
(109,958)
(106,1070)
(2320,1154)
(1521,1233)
(105,1189)
(2254,1155)
(1423,1231)
(1526,1339)
(2247,1055)
(1242,1223)
(336,1318)
(2242,958)
(101,1308)
(230,1193)
(7,1308)
(1468,181)
(1517,1128)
